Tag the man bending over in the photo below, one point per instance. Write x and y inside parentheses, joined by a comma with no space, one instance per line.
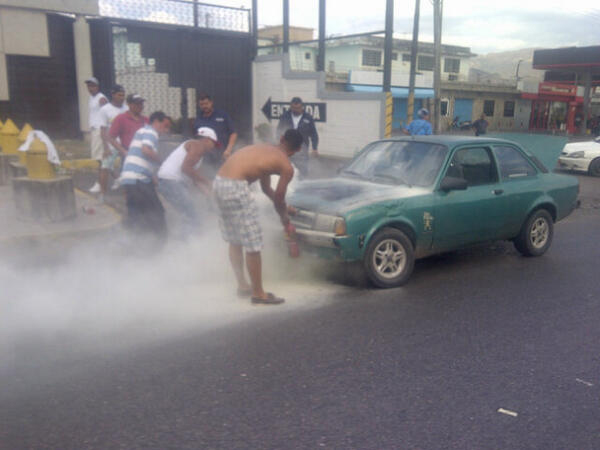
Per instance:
(238,214)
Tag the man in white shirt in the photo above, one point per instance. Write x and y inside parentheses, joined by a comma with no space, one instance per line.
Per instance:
(179,172)
(96,101)
(107,114)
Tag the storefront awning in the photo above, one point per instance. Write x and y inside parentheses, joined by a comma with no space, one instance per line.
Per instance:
(397,92)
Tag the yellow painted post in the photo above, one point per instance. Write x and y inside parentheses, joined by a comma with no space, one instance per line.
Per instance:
(22,138)
(38,166)
(389,108)
(8,138)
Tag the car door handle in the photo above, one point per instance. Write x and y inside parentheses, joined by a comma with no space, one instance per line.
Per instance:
(498,191)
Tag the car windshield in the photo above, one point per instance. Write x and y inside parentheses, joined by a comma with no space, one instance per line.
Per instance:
(398,162)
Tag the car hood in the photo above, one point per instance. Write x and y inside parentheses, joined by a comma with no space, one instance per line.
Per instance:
(589,146)
(337,196)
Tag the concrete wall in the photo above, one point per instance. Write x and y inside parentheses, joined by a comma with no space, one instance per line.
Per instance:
(497,122)
(24,31)
(14,41)
(422,80)
(353,119)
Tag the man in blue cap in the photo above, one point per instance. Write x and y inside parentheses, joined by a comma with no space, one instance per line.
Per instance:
(420,126)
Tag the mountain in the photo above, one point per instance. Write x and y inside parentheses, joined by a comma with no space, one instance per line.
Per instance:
(504,64)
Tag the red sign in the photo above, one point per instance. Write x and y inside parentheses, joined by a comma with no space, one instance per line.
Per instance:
(562,90)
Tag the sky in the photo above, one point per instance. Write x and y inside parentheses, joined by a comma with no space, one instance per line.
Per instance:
(485,26)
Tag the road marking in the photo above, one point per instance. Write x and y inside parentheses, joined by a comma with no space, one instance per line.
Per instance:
(507,412)
(587,383)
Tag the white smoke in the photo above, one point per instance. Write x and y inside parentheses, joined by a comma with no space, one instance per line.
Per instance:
(98,296)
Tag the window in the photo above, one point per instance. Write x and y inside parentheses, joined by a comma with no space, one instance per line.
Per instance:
(405,57)
(371,58)
(488,108)
(451,65)
(425,62)
(452,77)
(307,55)
(509,109)
(512,164)
(394,56)
(444,107)
(474,165)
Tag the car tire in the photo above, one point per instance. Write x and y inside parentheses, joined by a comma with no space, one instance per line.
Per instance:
(535,236)
(594,169)
(389,258)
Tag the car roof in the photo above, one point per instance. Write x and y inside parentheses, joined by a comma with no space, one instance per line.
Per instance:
(451,140)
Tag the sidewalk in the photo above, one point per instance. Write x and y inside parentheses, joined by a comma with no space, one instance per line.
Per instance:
(15,232)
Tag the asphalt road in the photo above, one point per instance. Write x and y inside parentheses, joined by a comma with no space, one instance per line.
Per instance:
(483,349)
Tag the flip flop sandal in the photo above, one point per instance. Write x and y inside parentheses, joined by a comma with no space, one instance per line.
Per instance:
(270,300)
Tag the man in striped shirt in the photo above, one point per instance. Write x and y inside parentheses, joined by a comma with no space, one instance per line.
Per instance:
(145,212)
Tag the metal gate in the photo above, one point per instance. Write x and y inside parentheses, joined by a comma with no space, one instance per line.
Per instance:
(168,64)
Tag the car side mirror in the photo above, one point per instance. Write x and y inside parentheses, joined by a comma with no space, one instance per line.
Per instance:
(453,184)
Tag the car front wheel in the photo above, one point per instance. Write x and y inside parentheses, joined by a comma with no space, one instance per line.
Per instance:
(594,169)
(389,258)
(536,235)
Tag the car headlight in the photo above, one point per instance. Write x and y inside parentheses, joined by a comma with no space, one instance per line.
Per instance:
(576,155)
(340,227)
(329,224)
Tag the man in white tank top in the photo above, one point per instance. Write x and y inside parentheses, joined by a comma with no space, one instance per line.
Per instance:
(179,173)
(96,101)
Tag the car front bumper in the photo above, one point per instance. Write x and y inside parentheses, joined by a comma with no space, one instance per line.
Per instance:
(328,245)
(578,164)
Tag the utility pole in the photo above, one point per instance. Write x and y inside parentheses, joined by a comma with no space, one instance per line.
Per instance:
(437,70)
(410,109)
(387,46)
(286,26)
(195,5)
(321,55)
(387,66)
(254,27)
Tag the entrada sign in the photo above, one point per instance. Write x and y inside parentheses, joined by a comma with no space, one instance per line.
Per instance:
(274,110)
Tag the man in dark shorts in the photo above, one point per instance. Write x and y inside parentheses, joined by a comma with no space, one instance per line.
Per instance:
(238,214)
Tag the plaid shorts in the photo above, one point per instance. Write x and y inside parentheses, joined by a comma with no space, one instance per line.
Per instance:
(238,214)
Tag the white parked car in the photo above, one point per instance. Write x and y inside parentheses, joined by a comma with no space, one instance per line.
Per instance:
(582,157)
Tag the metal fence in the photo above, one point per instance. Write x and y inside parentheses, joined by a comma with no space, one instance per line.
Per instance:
(179,12)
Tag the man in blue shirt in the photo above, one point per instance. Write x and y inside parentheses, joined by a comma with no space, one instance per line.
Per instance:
(420,126)
(145,212)
(218,120)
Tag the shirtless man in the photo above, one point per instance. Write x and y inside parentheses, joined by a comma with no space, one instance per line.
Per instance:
(238,214)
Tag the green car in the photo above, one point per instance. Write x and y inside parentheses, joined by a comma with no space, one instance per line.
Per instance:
(407,198)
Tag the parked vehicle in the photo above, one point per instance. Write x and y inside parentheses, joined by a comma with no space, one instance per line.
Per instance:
(407,198)
(458,125)
(581,157)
